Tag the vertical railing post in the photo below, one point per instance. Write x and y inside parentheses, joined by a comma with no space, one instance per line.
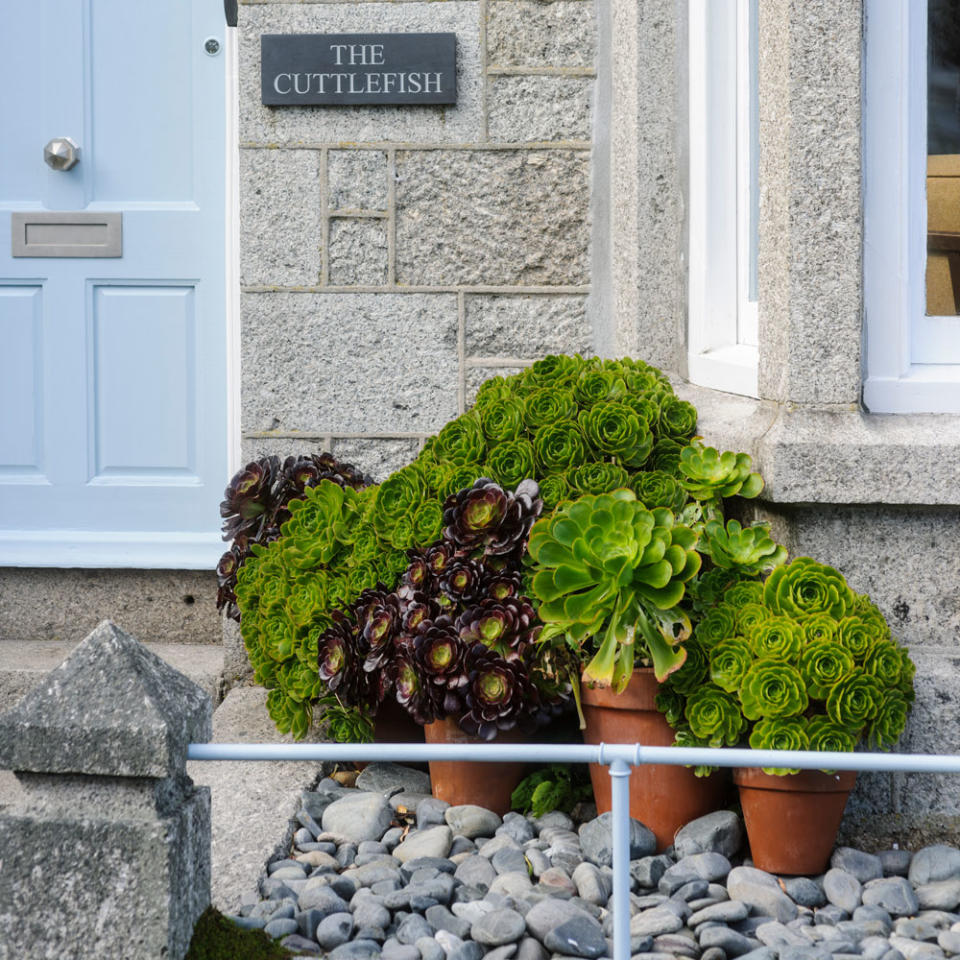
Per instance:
(620,791)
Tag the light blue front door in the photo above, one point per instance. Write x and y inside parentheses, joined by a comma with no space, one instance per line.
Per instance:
(113,395)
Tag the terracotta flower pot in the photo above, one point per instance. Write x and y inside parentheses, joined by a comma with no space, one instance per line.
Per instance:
(394,725)
(792,821)
(662,797)
(460,781)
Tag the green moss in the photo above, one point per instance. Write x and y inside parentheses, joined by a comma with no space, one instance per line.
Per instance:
(217,938)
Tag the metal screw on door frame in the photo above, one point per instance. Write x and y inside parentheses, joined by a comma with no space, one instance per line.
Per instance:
(61,153)
(212,46)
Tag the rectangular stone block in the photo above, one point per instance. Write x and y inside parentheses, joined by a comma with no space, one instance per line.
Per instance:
(279,239)
(533,109)
(348,362)
(357,180)
(475,376)
(116,889)
(531,33)
(493,217)
(255,447)
(376,457)
(332,125)
(358,252)
(527,326)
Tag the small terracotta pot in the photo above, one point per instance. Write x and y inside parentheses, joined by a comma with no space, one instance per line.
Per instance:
(460,781)
(662,797)
(792,821)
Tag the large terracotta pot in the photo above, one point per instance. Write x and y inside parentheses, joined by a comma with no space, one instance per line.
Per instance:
(394,725)
(460,781)
(792,821)
(662,797)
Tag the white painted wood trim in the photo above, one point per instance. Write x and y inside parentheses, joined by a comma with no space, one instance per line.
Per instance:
(232,208)
(148,551)
(905,349)
(719,317)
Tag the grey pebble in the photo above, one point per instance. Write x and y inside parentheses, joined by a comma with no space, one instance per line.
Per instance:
(596,840)
(592,883)
(509,860)
(732,943)
(894,894)
(729,911)
(842,889)
(430,812)
(472,821)
(676,945)
(804,891)
(714,953)
(647,871)
(413,927)
(355,950)
(864,866)
(467,951)
(393,949)
(580,936)
(498,928)
(302,945)
(333,930)
(281,927)
(501,953)
(760,891)
(652,923)
(895,863)
(248,923)
(937,862)
(429,949)
(719,832)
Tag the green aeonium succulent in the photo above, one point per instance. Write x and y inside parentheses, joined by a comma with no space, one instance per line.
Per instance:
(808,664)
(607,574)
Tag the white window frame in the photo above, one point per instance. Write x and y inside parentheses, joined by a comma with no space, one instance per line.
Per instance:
(722,339)
(903,346)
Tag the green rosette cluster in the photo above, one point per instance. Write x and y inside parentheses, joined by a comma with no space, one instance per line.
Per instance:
(328,552)
(809,664)
(608,574)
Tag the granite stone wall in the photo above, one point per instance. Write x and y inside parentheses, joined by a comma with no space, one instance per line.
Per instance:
(392,258)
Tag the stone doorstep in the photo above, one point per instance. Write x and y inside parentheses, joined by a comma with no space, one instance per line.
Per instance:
(24,663)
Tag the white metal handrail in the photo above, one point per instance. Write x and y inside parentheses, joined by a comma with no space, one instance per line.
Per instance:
(620,757)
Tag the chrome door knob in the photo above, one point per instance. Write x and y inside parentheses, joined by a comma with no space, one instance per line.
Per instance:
(61,153)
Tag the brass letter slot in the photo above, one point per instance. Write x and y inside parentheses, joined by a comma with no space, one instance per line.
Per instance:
(68,234)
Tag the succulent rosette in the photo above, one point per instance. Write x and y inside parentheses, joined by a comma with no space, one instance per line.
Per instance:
(714,716)
(489,518)
(461,441)
(789,733)
(665,456)
(600,477)
(250,501)
(510,462)
(609,572)
(657,488)
(546,405)
(817,666)
(729,661)
(464,580)
(440,654)
(502,419)
(594,386)
(751,549)
(411,691)
(693,671)
(559,446)
(498,693)
(709,475)
(494,623)
(678,419)
(613,429)
(553,490)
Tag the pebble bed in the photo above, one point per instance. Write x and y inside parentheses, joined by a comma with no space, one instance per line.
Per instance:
(460,883)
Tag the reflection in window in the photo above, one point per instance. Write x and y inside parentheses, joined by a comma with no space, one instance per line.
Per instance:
(943,158)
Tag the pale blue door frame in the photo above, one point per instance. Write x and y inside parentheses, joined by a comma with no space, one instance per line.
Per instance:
(113,398)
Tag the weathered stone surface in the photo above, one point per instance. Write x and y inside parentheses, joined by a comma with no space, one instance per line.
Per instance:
(358,252)
(527,325)
(937,862)
(469,820)
(533,109)
(340,363)
(494,217)
(863,866)
(596,839)
(432,842)
(475,376)
(498,927)
(894,894)
(530,33)
(279,240)
(358,124)
(357,180)
(376,458)
(138,860)
(842,889)
(111,708)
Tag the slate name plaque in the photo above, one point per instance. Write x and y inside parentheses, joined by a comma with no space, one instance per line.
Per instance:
(358,68)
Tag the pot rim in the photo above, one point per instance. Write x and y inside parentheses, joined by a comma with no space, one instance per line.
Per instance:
(806,781)
(640,693)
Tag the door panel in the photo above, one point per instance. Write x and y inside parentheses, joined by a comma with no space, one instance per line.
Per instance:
(113,430)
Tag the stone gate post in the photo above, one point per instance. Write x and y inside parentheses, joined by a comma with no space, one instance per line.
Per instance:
(105,853)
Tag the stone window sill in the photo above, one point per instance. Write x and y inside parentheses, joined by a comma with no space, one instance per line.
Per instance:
(836,455)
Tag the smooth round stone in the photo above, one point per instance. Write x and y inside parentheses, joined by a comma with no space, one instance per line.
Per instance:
(509,860)
(303,835)
(248,923)
(436,866)
(939,895)
(872,914)
(472,821)
(693,890)
(913,928)
(281,927)
(462,845)
(322,898)
(777,935)
(729,911)
(707,866)
(511,884)
(760,891)
(501,953)
(894,894)
(381,777)
(555,819)
(369,913)
(864,866)
(580,936)
(896,863)
(394,950)
(299,944)
(356,949)
(318,858)
(530,948)
(448,941)
(499,927)
(476,871)
(346,854)
(333,930)
(494,845)
(830,915)
(676,945)
(557,879)
(679,875)
(915,949)
(596,840)
(431,842)
(430,812)
(648,871)
(714,953)
(593,885)
(732,943)
(356,817)
(472,911)
(538,861)
(949,940)
(413,928)
(467,951)
(371,846)
(654,922)
(804,892)
(719,832)
(931,864)
(429,949)
(842,889)
(440,918)
(516,827)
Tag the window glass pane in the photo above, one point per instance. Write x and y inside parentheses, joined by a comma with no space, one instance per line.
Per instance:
(943,158)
